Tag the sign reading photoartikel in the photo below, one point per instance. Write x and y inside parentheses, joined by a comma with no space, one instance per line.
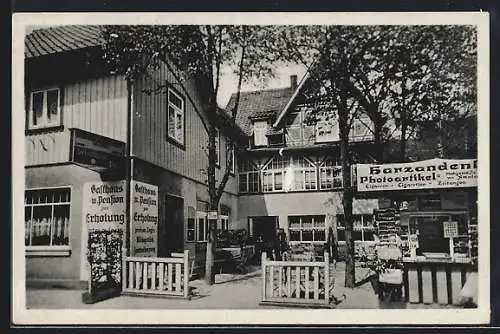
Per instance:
(427,174)
(144,219)
(104,205)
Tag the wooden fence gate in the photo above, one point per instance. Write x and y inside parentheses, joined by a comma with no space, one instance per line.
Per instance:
(297,283)
(159,276)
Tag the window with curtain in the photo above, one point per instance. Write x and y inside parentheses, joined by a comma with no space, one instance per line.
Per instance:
(45,109)
(310,228)
(363,227)
(47,217)
(259,133)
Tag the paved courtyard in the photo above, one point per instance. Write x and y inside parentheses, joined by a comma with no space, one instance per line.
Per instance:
(229,292)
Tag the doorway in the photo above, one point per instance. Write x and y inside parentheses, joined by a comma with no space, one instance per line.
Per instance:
(171,231)
(265,226)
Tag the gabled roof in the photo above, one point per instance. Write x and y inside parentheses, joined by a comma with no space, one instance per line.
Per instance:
(53,40)
(259,104)
(290,101)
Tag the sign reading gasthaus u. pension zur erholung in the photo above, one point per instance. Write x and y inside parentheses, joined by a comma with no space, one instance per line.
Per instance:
(104,205)
(144,219)
(427,174)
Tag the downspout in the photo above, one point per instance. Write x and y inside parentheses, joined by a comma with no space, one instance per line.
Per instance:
(128,177)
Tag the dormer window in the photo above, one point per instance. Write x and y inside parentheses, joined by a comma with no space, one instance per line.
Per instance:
(259,133)
(45,109)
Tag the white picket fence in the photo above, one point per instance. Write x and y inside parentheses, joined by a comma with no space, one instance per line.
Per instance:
(157,276)
(297,283)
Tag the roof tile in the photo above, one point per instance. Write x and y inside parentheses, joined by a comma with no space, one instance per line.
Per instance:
(62,38)
(257,104)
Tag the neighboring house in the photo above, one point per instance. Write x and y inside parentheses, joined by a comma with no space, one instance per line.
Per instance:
(290,175)
(72,99)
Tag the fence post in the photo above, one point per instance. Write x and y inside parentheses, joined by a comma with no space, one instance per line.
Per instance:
(327,278)
(263,259)
(186,273)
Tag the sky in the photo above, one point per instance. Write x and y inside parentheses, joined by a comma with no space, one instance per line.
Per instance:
(229,82)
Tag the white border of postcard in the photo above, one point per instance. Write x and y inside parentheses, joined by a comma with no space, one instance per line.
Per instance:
(23,316)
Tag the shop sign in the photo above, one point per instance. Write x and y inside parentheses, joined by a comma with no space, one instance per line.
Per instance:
(144,219)
(94,150)
(212,215)
(428,174)
(104,205)
(413,241)
(450,229)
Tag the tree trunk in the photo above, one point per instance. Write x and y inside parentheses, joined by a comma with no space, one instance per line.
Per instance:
(402,142)
(377,134)
(347,199)
(212,191)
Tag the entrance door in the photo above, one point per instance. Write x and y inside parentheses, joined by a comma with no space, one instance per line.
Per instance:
(171,231)
(265,227)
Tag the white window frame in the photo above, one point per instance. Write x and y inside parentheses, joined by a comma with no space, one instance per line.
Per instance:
(328,181)
(362,122)
(331,134)
(232,167)
(177,137)
(49,250)
(301,228)
(251,169)
(259,133)
(217,147)
(203,216)
(288,169)
(361,226)
(224,222)
(45,119)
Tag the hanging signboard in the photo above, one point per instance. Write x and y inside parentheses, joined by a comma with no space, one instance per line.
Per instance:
(450,229)
(95,151)
(144,219)
(104,205)
(428,174)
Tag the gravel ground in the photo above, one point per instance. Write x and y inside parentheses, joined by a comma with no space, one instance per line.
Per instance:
(229,292)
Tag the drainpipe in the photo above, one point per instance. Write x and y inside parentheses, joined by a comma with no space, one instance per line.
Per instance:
(128,178)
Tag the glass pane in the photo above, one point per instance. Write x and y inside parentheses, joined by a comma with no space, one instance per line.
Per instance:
(27,225)
(307,222)
(37,108)
(356,235)
(319,235)
(278,181)
(341,235)
(53,105)
(294,222)
(179,127)
(41,225)
(243,182)
(294,235)
(60,226)
(307,235)
(171,121)
(201,228)
(176,101)
(368,235)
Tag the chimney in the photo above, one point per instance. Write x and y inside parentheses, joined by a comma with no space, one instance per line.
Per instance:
(293,81)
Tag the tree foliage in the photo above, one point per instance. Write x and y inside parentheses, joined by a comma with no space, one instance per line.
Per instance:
(398,76)
(200,53)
